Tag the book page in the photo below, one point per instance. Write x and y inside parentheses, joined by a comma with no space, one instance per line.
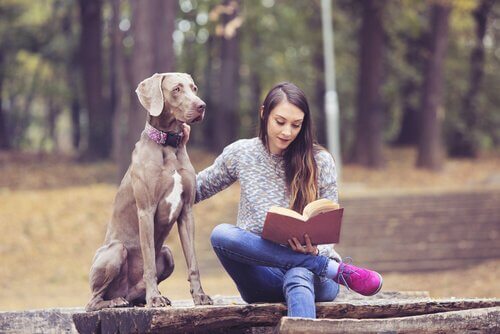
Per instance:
(319,206)
(286,212)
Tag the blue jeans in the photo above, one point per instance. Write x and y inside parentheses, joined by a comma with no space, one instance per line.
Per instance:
(268,272)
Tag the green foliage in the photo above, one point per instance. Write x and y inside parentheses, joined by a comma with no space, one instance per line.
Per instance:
(280,40)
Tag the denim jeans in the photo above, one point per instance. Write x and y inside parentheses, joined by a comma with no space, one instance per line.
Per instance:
(268,272)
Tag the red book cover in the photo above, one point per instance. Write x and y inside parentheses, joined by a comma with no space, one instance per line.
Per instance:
(323,228)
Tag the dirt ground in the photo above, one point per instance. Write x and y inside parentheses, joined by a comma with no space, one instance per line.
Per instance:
(53,214)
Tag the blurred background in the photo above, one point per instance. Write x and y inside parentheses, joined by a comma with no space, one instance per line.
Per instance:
(417,86)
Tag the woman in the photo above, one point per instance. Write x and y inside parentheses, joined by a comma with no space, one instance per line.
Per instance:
(281,167)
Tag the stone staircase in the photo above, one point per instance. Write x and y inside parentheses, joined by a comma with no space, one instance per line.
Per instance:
(421,231)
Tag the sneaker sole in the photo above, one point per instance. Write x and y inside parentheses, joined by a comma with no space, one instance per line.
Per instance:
(380,286)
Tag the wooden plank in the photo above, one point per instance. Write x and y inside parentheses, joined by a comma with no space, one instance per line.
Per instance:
(60,320)
(482,320)
(39,321)
(189,319)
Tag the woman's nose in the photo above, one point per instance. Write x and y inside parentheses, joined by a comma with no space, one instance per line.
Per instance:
(287,131)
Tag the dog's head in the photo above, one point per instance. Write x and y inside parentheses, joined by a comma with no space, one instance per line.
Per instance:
(174,93)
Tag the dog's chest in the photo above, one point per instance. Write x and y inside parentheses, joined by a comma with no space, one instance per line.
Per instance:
(177,189)
(173,199)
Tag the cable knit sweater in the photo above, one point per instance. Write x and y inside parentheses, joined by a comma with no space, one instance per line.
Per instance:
(262,179)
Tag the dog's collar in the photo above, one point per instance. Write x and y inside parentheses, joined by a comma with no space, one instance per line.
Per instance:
(163,138)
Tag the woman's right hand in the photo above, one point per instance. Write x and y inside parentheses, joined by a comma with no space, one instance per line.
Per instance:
(186,130)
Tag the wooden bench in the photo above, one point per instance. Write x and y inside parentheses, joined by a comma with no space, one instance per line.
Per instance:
(389,311)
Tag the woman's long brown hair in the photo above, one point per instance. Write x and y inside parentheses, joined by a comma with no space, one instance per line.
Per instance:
(300,165)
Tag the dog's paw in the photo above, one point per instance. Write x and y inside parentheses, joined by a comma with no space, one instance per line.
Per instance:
(119,302)
(158,301)
(202,299)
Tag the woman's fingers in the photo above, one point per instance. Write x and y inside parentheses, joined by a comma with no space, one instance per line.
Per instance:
(308,248)
(186,130)
(295,244)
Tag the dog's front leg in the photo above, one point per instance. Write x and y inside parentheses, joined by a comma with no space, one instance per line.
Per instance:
(145,215)
(185,225)
(146,235)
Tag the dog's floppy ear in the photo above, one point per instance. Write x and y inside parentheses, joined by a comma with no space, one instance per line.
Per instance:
(150,94)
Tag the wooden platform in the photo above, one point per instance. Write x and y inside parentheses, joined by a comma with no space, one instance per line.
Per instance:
(397,310)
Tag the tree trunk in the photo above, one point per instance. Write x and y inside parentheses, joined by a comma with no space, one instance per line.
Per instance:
(226,117)
(4,138)
(319,96)
(368,144)
(99,124)
(153,23)
(430,147)
(408,133)
(464,142)
(210,96)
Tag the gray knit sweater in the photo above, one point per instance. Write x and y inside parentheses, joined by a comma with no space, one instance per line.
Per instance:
(262,180)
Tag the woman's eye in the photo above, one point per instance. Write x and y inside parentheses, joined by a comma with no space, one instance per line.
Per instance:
(280,122)
(296,126)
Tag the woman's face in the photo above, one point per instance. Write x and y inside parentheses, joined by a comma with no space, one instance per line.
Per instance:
(283,126)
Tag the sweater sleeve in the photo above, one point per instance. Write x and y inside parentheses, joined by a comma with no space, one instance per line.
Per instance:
(327,181)
(220,175)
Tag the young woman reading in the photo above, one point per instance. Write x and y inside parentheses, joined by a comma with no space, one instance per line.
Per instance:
(282,167)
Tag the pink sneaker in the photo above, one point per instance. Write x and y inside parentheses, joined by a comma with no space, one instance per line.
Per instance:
(364,281)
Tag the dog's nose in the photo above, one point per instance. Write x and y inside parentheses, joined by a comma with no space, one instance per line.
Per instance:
(201,107)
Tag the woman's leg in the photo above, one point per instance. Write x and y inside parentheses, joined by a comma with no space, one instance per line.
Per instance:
(302,289)
(255,283)
(247,247)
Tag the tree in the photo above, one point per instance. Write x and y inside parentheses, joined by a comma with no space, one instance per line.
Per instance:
(226,105)
(430,146)
(4,138)
(409,89)
(368,144)
(99,119)
(464,139)
(153,23)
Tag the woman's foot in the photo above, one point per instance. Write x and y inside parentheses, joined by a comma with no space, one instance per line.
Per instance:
(363,281)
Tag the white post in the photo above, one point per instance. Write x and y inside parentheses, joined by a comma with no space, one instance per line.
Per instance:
(331,100)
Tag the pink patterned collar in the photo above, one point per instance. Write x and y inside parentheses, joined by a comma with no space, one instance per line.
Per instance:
(163,138)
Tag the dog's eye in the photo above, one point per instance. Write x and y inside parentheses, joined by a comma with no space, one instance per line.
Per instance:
(195,89)
(177,89)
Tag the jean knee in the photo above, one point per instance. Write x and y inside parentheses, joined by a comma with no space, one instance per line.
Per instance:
(221,234)
(298,278)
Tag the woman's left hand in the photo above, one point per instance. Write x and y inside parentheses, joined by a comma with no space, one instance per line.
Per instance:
(308,248)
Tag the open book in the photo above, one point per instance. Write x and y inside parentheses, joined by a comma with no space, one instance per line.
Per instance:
(320,219)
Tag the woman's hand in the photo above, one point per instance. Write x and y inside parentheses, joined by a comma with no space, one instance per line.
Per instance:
(186,130)
(309,248)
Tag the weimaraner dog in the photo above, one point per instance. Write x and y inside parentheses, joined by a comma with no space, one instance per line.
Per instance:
(157,191)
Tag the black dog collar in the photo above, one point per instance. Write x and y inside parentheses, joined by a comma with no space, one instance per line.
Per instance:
(163,138)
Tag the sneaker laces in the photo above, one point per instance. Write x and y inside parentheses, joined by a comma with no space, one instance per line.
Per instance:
(340,275)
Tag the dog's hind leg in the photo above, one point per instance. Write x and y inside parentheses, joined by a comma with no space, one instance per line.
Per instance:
(108,277)
(164,264)
(164,268)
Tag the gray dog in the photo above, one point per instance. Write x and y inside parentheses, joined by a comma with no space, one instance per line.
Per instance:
(157,191)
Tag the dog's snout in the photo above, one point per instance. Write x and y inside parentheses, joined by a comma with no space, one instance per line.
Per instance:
(201,107)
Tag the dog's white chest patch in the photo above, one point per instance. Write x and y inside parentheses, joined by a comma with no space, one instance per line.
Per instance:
(174,198)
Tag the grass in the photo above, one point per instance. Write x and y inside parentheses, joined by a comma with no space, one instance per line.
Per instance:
(53,215)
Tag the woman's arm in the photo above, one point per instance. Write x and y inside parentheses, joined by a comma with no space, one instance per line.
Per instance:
(217,177)
(327,181)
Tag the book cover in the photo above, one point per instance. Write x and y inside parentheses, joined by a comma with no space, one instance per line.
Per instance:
(322,228)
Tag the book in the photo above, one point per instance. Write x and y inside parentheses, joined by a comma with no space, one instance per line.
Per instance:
(320,219)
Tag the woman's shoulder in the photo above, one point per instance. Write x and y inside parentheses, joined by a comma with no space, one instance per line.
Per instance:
(243,146)
(322,155)
(243,143)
